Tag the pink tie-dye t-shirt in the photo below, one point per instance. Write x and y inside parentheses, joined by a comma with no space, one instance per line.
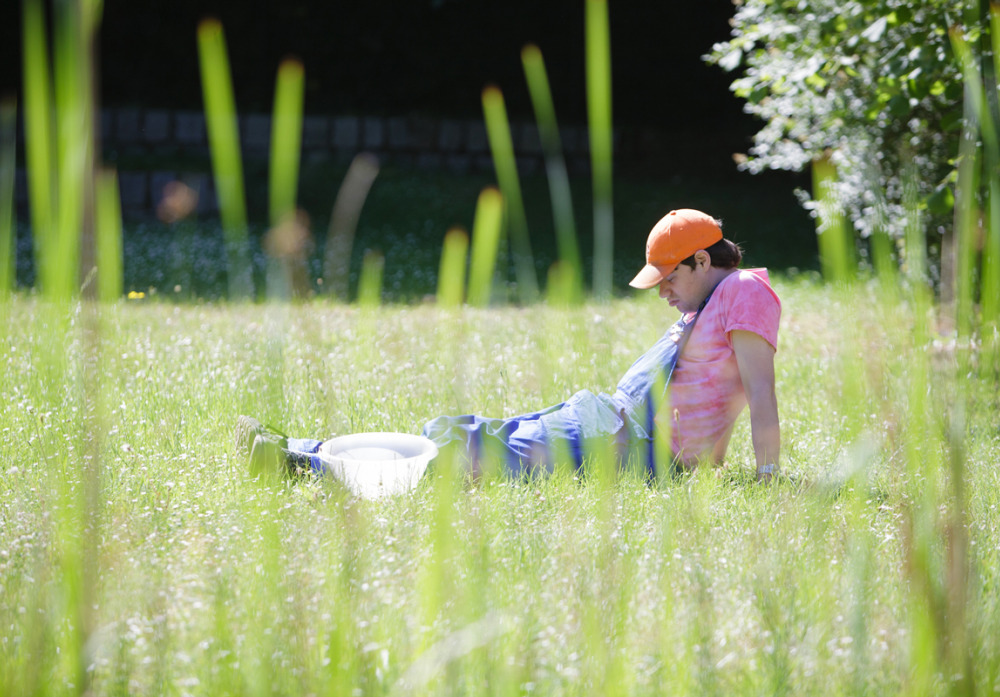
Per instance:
(706,393)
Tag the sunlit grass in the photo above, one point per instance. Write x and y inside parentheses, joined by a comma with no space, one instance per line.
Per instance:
(40,155)
(570,272)
(108,243)
(451,276)
(227,162)
(208,583)
(515,224)
(486,233)
(601,142)
(8,250)
(836,238)
(286,140)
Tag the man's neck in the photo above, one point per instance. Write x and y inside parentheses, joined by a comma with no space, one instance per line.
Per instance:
(714,277)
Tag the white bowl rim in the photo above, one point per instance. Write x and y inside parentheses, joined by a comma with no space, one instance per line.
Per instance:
(412,446)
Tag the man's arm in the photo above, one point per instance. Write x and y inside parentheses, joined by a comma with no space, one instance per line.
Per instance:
(755,359)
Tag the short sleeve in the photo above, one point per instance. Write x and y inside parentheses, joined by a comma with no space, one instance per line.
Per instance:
(750,304)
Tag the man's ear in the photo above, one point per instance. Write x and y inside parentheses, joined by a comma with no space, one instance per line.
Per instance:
(703,257)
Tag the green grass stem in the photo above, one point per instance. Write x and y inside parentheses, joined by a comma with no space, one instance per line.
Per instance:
(39,132)
(8,156)
(883,252)
(451,273)
(836,243)
(915,263)
(74,106)
(108,237)
(370,282)
(978,180)
(571,269)
(227,162)
(562,287)
(505,165)
(598,46)
(286,140)
(966,221)
(978,146)
(990,292)
(486,232)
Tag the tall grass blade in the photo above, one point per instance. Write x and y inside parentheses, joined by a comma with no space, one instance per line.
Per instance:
(227,162)
(8,164)
(883,258)
(571,271)
(502,148)
(286,140)
(990,288)
(39,133)
(344,222)
(881,245)
(486,231)
(990,285)
(109,237)
(978,123)
(915,264)
(978,146)
(289,234)
(601,142)
(370,283)
(562,286)
(436,581)
(74,149)
(451,274)
(834,235)
(990,292)
(966,220)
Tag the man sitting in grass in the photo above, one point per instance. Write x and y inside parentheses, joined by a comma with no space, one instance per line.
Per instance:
(692,384)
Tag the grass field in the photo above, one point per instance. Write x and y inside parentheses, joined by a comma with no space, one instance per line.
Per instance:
(136,556)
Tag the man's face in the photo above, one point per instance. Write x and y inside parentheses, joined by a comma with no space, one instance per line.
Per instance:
(684,287)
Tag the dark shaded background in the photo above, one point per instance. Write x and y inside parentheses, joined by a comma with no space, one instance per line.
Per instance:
(679,124)
(397,57)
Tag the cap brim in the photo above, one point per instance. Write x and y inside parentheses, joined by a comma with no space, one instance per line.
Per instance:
(651,276)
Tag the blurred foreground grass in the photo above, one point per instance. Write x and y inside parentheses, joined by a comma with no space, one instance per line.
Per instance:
(202,582)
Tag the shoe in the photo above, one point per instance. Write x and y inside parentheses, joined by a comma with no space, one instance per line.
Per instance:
(247,428)
(269,455)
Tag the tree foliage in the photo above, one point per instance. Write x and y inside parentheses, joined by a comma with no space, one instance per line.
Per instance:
(872,85)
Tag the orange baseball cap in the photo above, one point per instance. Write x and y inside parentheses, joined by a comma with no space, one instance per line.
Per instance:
(678,235)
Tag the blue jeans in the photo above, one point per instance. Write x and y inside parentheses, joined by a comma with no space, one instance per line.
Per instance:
(623,422)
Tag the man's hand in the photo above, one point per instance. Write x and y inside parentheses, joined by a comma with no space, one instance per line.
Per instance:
(755,358)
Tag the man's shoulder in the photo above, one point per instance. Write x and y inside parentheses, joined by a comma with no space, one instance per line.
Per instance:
(749,303)
(749,285)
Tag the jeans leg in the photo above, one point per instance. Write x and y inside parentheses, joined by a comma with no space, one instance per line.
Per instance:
(306,448)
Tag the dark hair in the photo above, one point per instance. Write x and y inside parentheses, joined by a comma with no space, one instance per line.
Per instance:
(724,254)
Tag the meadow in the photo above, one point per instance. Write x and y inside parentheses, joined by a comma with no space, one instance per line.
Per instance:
(137,556)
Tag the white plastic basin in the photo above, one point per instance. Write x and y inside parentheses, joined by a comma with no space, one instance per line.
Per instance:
(372,465)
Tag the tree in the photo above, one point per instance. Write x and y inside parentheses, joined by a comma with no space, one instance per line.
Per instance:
(872,86)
